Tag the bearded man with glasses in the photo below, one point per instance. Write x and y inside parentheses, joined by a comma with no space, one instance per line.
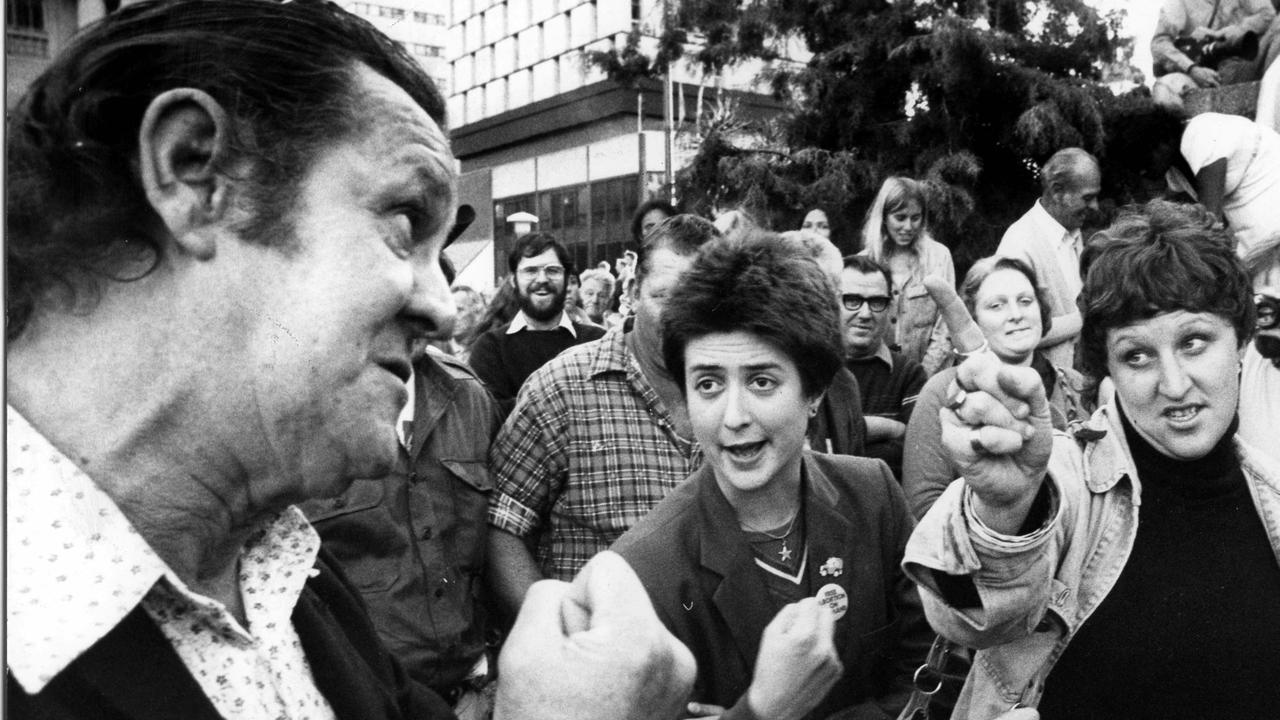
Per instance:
(505,357)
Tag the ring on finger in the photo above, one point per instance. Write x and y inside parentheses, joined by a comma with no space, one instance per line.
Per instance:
(975,442)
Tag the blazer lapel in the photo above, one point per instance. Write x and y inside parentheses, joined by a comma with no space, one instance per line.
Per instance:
(741,597)
(829,534)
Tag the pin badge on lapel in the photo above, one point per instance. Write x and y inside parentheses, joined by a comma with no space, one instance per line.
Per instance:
(834,598)
(834,566)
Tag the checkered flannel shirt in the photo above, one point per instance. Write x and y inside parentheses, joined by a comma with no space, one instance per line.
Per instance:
(587,451)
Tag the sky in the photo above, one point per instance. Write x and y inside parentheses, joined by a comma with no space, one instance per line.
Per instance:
(1140,23)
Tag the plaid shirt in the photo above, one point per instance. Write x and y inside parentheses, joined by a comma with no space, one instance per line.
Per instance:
(586,453)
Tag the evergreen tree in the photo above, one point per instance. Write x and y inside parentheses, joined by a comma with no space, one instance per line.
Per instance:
(970,95)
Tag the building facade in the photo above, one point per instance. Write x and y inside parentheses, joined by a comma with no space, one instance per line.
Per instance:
(537,128)
(422,27)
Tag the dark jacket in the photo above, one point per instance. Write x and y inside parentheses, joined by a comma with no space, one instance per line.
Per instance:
(133,673)
(840,427)
(413,542)
(701,576)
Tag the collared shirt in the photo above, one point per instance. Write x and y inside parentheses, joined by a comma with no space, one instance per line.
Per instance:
(521,322)
(890,383)
(412,542)
(587,451)
(77,567)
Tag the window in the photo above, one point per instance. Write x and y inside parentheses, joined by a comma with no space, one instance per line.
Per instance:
(503,237)
(428,18)
(613,202)
(24,28)
(425,50)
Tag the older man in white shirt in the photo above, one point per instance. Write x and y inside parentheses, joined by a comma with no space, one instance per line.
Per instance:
(1048,239)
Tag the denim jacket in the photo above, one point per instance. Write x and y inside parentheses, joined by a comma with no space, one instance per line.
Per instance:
(1037,590)
(917,324)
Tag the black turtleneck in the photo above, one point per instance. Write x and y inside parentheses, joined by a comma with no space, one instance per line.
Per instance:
(1191,628)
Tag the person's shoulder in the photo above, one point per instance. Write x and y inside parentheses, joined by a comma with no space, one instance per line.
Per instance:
(1219,126)
(905,365)
(587,332)
(662,529)
(1019,233)
(454,368)
(847,467)
(865,479)
(488,340)
(573,365)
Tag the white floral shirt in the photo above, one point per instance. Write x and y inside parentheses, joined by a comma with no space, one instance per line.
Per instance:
(77,567)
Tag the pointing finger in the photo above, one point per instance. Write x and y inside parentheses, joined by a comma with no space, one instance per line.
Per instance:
(966,336)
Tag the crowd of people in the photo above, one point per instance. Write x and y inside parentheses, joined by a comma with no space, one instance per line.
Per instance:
(265,458)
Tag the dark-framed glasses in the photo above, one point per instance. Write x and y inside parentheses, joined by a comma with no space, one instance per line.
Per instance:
(553,272)
(853,302)
(1268,307)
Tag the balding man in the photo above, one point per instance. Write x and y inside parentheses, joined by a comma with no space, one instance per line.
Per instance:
(1048,239)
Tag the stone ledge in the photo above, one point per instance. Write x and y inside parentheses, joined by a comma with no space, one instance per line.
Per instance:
(1238,99)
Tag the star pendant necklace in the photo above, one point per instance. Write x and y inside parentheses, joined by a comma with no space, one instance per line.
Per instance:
(785,553)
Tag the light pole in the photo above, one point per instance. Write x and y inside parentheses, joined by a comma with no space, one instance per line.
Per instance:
(522,223)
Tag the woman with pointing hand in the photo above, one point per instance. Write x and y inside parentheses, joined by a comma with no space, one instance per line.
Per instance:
(1132,575)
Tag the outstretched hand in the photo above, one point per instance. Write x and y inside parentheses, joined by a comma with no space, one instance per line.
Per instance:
(995,425)
(592,649)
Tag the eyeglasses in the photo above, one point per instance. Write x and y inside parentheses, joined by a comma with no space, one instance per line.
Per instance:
(553,272)
(853,302)
(1268,311)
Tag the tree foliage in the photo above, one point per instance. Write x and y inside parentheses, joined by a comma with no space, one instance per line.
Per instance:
(970,95)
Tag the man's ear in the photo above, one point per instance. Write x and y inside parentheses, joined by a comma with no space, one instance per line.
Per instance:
(181,144)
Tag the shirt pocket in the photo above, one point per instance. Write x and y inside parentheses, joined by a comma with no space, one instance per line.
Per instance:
(358,528)
(473,486)
(918,309)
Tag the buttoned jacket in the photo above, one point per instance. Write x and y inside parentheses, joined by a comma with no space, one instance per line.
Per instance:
(705,585)
(1037,590)
(918,328)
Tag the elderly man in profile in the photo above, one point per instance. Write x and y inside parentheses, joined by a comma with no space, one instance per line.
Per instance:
(224,224)
(1048,238)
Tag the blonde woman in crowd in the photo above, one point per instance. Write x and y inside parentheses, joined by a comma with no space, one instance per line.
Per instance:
(896,235)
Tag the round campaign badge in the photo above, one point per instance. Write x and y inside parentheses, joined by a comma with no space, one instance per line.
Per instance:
(834,598)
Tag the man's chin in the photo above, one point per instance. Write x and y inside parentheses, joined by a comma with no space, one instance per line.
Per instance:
(544,313)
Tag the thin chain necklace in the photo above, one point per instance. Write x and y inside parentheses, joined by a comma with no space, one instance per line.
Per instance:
(787,531)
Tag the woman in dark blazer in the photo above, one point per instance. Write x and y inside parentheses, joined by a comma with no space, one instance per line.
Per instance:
(778,567)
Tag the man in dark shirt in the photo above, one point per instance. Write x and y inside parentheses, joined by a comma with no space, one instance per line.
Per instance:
(505,357)
(413,542)
(889,381)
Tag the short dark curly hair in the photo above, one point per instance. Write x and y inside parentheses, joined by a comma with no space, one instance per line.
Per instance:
(284,73)
(761,285)
(1158,258)
(534,244)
